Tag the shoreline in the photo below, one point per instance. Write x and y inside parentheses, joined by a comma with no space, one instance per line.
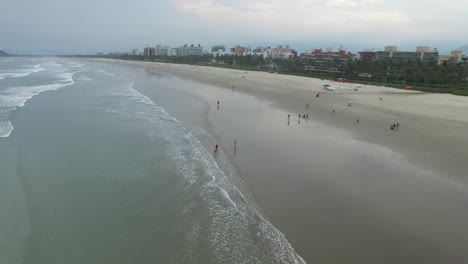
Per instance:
(458,90)
(265,161)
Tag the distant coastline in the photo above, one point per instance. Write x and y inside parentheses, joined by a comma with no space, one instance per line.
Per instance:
(4,54)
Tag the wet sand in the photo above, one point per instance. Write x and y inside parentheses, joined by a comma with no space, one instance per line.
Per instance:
(344,192)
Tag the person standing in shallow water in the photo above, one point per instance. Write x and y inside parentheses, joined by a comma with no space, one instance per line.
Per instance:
(235,147)
(216,148)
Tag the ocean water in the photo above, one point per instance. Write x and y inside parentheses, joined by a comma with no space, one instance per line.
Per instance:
(93,171)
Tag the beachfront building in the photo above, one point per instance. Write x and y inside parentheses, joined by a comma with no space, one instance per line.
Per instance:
(191,50)
(217,48)
(240,51)
(422,53)
(187,50)
(257,51)
(455,56)
(160,50)
(220,50)
(279,53)
(221,53)
(326,61)
(157,49)
(367,55)
(407,55)
(164,51)
(320,57)
(445,59)
(148,51)
(464,59)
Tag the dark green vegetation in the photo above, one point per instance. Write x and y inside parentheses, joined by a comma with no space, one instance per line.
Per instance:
(422,76)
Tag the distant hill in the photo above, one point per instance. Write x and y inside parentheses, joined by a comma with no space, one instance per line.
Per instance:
(2,53)
(464,49)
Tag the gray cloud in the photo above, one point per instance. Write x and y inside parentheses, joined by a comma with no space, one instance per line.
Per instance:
(106,25)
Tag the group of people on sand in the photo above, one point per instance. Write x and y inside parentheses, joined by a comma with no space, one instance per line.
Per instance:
(395,126)
(304,116)
(217,147)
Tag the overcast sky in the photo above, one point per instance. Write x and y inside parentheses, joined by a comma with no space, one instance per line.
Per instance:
(82,26)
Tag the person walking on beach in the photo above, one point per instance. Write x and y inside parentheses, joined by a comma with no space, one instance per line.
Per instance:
(232,88)
(216,148)
(397,126)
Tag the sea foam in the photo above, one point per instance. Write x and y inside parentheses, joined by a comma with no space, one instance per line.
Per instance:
(5,129)
(21,72)
(15,97)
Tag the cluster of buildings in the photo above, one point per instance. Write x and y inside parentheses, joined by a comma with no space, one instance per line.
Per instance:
(422,53)
(279,52)
(314,59)
(185,50)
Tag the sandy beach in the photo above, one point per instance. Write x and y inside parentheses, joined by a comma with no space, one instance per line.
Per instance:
(342,191)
